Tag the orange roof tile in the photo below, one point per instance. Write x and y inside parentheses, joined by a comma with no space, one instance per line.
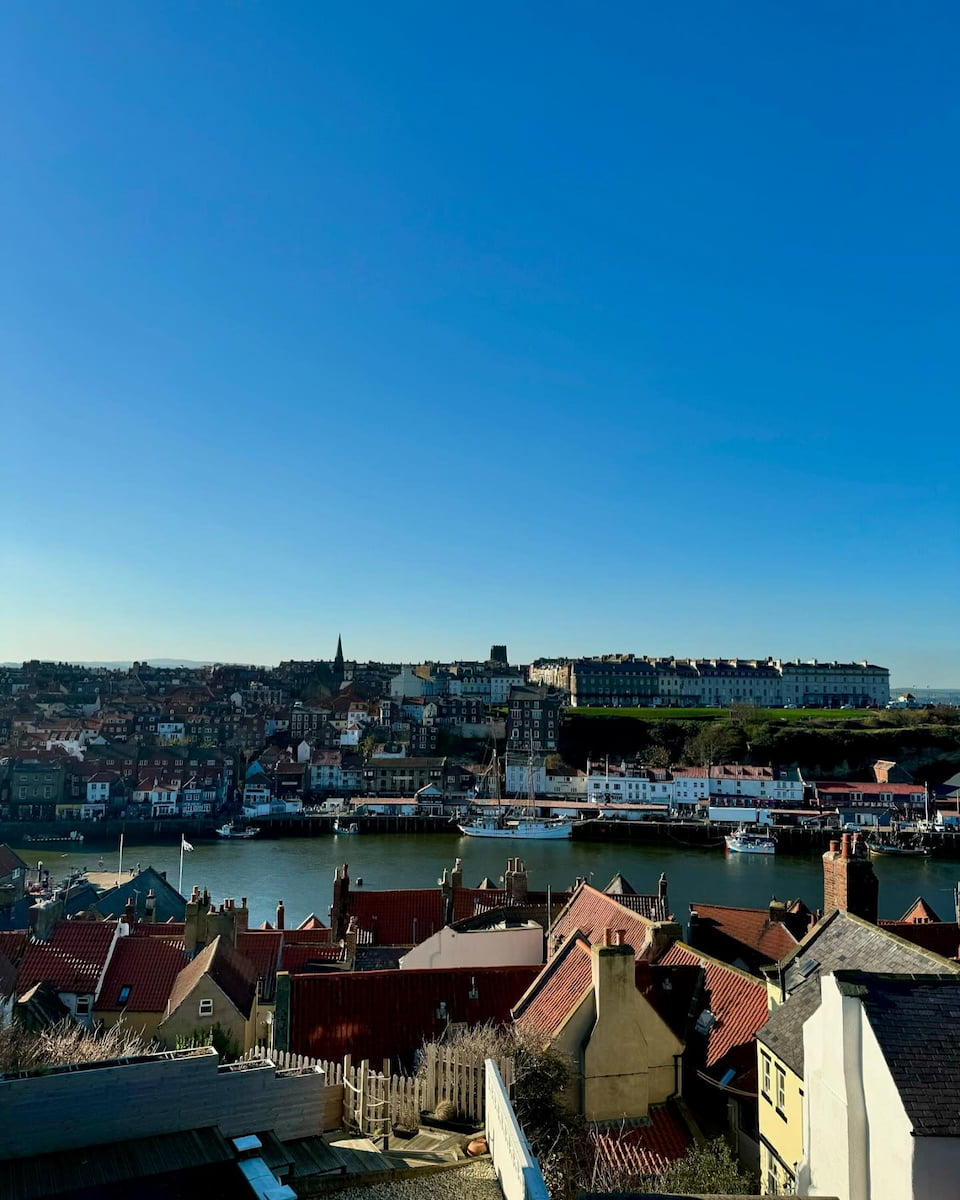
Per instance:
(148,967)
(644,1150)
(592,912)
(750,927)
(557,991)
(73,959)
(738,1001)
(397,918)
(295,958)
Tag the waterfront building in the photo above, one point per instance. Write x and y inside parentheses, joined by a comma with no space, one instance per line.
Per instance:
(624,680)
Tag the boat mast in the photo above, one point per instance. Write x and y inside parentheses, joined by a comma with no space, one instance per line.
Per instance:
(531,802)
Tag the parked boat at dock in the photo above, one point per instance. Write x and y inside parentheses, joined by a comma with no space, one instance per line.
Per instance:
(898,850)
(746,841)
(229,831)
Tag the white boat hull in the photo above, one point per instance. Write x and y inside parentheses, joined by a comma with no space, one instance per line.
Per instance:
(528,830)
(739,846)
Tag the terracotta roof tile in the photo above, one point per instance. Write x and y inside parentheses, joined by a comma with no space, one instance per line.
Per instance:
(397,918)
(232,972)
(592,912)
(644,1150)
(148,967)
(389,1014)
(10,860)
(13,942)
(306,937)
(295,958)
(738,1001)
(718,925)
(262,948)
(942,937)
(73,959)
(557,991)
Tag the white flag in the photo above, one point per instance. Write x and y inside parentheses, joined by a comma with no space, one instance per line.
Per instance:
(184,844)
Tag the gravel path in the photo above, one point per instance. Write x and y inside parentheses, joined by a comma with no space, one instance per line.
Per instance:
(476,1181)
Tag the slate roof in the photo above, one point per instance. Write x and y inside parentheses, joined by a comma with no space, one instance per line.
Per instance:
(837,942)
(644,1150)
(72,960)
(234,974)
(736,999)
(149,967)
(170,904)
(389,1014)
(915,1022)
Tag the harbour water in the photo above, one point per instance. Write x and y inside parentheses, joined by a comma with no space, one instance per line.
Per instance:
(300,870)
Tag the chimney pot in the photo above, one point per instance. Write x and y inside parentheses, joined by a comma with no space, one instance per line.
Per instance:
(834,847)
(845,846)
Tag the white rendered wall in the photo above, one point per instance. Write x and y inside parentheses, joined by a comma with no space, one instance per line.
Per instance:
(478,948)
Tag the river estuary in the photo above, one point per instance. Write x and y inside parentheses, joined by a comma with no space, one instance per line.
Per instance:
(300,870)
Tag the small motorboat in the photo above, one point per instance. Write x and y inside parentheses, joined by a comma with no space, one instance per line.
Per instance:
(72,836)
(747,841)
(340,827)
(234,834)
(898,850)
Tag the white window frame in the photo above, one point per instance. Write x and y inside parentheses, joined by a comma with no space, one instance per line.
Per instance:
(205,1008)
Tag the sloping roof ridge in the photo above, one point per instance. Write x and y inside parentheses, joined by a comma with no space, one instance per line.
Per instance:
(708,958)
(931,954)
(734,907)
(812,934)
(188,975)
(576,938)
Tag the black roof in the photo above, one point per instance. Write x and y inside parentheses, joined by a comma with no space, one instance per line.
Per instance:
(838,942)
(915,1019)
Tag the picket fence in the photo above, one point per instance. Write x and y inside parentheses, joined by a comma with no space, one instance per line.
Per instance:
(374,1102)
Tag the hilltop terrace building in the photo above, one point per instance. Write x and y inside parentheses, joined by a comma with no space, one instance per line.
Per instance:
(626,681)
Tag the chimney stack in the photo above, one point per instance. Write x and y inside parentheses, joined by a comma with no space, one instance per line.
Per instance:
(150,907)
(280,915)
(849,881)
(616,1055)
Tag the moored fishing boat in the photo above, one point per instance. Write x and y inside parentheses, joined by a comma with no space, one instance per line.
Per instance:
(898,850)
(229,831)
(746,841)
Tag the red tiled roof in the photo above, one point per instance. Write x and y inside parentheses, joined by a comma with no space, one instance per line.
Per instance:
(644,1150)
(942,937)
(295,958)
(469,902)
(398,918)
(738,1001)
(262,948)
(72,960)
(592,912)
(161,929)
(557,991)
(13,943)
(751,927)
(920,911)
(312,922)
(148,967)
(9,860)
(306,937)
(389,1014)
(869,789)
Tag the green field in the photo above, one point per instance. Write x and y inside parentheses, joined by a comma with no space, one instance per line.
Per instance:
(713,714)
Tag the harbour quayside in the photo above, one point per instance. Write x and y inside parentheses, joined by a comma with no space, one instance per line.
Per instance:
(527,826)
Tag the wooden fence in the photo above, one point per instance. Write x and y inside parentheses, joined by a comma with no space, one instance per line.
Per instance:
(374,1102)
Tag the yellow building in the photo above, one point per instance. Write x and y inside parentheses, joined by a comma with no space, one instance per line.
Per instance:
(839,941)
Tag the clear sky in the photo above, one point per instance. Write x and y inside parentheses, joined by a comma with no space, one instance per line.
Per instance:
(584,327)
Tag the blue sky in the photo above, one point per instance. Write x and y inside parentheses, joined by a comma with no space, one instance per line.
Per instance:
(582,327)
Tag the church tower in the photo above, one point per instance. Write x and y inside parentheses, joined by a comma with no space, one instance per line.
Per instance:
(338,665)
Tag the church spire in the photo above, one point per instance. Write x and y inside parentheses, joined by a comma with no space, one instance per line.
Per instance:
(338,671)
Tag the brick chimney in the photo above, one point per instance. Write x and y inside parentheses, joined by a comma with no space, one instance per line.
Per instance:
(280,915)
(195,921)
(778,910)
(515,881)
(616,1057)
(150,907)
(341,900)
(849,882)
(349,942)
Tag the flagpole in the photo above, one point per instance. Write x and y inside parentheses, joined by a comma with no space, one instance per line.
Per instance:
(180,880)
(120,864)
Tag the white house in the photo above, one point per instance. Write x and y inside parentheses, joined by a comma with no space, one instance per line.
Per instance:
(170,731)
(881,1103)
(500,945)
(630,785)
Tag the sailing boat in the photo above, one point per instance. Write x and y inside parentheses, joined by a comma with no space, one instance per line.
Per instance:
(528,825)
